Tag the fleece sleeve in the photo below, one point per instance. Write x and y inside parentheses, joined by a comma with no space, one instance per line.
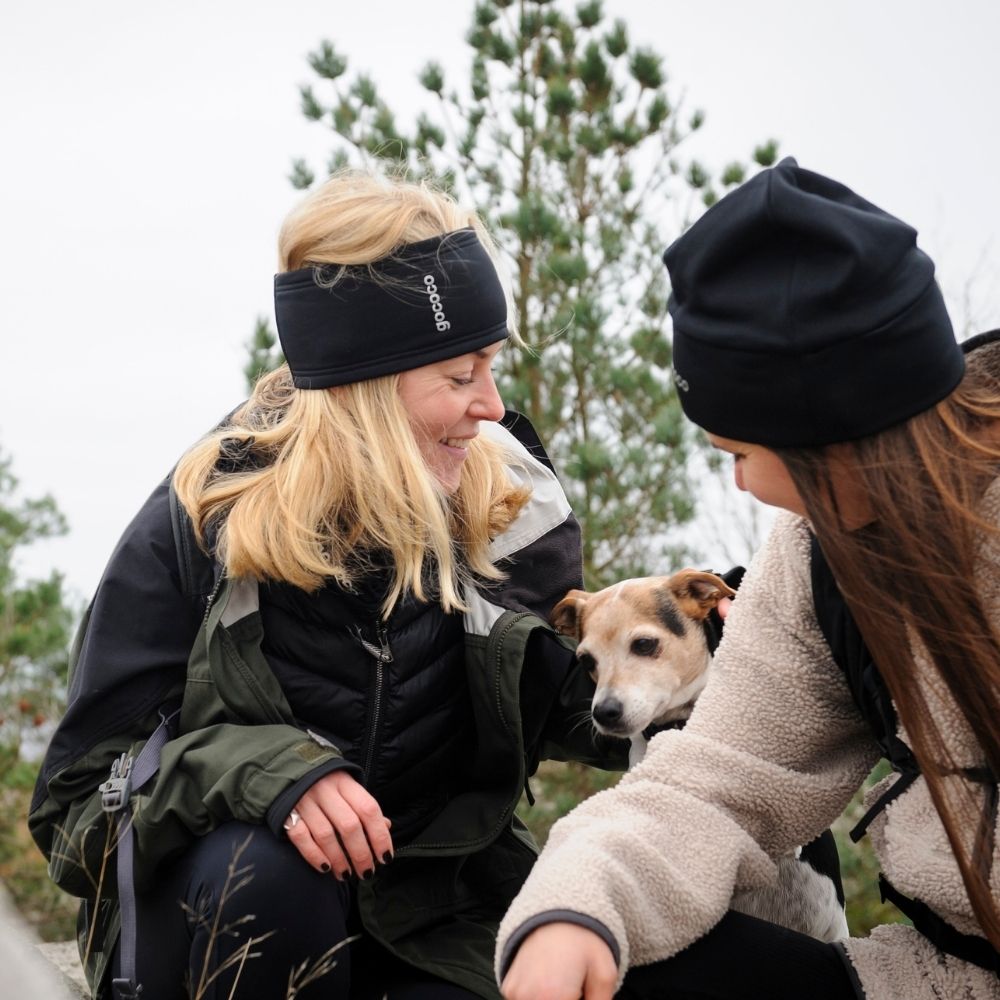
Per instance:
(772,753)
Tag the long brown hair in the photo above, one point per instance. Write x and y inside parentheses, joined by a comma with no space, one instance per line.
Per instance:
(917,570)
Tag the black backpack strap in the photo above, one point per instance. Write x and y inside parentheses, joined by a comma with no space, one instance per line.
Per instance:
(968,947)
(127,776)
(866,685)
(197,569)
(874,702)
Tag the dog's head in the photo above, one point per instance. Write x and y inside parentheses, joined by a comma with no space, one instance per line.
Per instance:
(644,643)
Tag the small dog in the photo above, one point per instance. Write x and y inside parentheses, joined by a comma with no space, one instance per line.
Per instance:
(648,645)
(644,642)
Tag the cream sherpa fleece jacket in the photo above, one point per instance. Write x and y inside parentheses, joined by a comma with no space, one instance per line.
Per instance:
(772,754)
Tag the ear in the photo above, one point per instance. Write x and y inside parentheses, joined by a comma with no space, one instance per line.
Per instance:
(565,616)
(697,592)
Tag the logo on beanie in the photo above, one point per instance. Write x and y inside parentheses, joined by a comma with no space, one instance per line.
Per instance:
(680,381)
(436,304)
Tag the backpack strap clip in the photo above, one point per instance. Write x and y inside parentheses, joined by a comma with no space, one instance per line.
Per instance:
(128,776)
(117,790)
(126,990)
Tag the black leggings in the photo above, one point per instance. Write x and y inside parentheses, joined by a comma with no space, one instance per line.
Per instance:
(743,958)
(180,955)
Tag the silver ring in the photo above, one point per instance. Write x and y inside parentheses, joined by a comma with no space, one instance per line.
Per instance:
(293,818)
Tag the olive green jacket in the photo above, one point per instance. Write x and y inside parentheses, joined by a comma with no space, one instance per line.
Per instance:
(469,862)
(237,749)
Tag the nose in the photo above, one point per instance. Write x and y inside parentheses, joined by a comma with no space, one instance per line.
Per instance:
(608,712)
(487,405)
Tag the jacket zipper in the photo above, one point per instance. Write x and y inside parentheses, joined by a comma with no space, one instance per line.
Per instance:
(494,654)
(210,600)
(383,656)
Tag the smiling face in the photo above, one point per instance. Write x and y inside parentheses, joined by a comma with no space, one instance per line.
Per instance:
(445,402)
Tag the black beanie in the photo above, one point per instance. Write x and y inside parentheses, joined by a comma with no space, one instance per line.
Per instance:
(805,315)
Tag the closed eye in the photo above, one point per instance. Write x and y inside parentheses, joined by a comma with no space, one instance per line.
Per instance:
(645,646)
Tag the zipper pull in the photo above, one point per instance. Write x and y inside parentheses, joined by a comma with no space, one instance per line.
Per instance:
(381,652)
(385,653)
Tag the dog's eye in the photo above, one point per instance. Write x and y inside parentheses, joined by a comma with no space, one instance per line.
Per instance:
(588,663)
(645,646)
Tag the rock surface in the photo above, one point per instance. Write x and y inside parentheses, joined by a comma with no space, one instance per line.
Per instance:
(32,970)
(64,957)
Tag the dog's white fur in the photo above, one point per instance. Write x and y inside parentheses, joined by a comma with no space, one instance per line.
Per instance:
(644,642)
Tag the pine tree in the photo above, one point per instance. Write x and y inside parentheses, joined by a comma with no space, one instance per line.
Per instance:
(568,141)
(34,620)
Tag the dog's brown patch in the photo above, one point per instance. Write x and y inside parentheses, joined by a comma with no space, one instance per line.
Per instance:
(697,593)
(565,616)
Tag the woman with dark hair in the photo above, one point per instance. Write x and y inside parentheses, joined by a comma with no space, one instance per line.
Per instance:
(812,344)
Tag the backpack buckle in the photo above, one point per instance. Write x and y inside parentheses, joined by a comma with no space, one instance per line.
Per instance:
(116,791)
(125,989)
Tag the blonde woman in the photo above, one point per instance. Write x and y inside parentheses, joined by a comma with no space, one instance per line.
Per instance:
(370,680)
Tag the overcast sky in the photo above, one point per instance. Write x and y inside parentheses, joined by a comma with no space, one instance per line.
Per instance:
(144,177)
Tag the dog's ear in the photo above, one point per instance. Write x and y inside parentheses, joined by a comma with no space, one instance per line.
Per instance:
(697,592)
(565,616)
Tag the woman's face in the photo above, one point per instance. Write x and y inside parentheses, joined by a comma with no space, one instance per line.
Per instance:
(445,402)
(760,472)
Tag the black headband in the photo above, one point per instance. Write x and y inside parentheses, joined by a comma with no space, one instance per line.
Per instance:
(429,301)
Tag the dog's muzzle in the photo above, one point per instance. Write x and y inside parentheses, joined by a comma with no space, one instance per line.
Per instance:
(608,714)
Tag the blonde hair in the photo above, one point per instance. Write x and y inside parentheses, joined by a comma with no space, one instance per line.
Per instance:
(302,486)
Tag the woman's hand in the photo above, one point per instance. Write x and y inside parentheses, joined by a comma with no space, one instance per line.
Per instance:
(340,827)
(561,961)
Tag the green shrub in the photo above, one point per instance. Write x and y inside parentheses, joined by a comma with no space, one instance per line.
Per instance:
(23,870)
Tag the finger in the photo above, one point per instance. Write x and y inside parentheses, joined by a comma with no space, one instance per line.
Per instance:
(601,972)
(302,840)
(319,842)
(375,825)
(336,827)
(599,987)
(349,830)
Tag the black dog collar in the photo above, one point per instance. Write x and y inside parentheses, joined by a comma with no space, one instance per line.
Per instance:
(429,301)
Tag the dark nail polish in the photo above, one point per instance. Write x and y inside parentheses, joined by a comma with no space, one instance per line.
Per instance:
(367,874)
(387,857)
(324,868)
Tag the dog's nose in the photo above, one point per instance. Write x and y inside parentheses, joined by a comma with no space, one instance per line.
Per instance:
(608,712)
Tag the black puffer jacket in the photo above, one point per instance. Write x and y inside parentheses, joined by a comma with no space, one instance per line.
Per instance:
(390,694)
